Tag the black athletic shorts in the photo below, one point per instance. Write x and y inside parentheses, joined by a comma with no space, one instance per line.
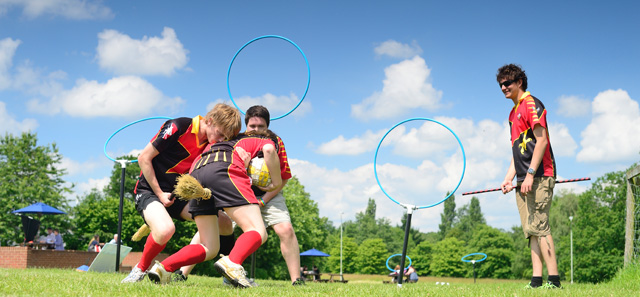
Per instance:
(144,198)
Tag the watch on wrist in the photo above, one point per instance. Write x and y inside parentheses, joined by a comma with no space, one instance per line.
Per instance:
(531,171)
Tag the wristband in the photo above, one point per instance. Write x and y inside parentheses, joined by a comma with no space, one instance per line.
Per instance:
(261,201)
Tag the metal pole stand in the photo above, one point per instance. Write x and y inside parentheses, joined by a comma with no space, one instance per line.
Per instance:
(123,165)
(409,209)
(474,270)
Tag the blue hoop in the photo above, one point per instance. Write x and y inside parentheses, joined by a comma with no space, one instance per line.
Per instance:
(127,125)
(305,60)
(464,163)
(474,254)
(394,256)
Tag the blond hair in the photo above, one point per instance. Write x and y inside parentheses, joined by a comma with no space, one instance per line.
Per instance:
(226,118)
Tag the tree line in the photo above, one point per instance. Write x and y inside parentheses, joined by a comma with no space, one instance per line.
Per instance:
(31,173)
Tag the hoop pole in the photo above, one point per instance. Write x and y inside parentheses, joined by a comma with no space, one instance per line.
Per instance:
(474,272)
(410,209)
(557,182)
(123,165)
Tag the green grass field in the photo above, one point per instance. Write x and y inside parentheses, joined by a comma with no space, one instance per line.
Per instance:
(68,282)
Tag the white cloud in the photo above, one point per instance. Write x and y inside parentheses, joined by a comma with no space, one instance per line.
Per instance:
(149,56)
(612,135)
(70,9)
(354,146)
(8,48)
(74,167)
(396,49)
(8,124)
(562,142)
(277,105)
(126,96)
(86,187)
(573,106)
(406,86)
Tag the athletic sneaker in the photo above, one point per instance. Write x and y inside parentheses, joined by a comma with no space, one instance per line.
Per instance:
(528,286)
(177,276)
(299,282)
(233,272)
(159,275)
(134,276)
(550,285)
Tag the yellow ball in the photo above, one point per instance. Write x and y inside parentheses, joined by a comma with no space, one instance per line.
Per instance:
(259,172)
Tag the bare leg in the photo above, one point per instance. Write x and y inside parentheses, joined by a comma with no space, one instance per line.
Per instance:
(225,228)
(289,248)
(548,250)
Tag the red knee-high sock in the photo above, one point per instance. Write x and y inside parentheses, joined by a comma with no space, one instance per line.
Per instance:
(246,244)
(151,250)
(191,254)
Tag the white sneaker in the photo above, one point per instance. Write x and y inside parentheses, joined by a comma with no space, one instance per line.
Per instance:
(134,276)
(233,272)
(159,275)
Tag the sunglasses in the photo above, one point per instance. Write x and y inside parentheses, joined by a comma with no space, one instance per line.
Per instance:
(507,83)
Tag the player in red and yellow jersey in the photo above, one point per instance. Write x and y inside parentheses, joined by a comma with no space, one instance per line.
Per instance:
(534,165)
(169,154)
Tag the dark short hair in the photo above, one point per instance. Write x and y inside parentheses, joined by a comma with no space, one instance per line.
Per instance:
(512,72)
(257,111)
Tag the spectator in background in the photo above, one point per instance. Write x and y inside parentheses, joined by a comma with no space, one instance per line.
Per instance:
(58,243)
(115,239)
(412,275)
(50,240)
(94,246)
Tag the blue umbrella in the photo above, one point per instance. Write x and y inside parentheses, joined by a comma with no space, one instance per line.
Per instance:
(314,252)
(39,208)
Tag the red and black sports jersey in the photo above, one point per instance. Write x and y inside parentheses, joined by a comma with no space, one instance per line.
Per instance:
(523,118)
(221,169)
(178,144)
(285,170)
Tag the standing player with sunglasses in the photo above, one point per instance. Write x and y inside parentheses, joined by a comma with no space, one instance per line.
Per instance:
(534,166)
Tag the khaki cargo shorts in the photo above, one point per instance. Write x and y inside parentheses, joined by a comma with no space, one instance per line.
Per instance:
(534,207)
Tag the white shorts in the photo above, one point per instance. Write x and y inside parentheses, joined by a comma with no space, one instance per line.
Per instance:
(275,211)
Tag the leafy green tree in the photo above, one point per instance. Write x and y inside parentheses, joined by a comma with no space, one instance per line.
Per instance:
(371,257)
(349,252)
(599,229)
(448,216)
(564,205)
(422,256)
(467,218)
(365,226)
(521,264)
(498,247)
(30,173)
(446,258)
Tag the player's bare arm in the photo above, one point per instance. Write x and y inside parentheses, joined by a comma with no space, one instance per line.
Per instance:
(145,161)
(273,163)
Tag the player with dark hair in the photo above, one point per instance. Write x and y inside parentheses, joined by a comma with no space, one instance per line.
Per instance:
(534,166)
(170,154)
(222,170)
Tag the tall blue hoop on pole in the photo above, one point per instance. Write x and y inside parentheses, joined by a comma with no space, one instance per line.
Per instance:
(464,163)
(285,39)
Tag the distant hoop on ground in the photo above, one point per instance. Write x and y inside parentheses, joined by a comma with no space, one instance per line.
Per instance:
(464,160)
(394,256)
(122,128)
(474,254)
(285,39)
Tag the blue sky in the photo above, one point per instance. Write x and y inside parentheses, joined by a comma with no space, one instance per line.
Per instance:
(75,71)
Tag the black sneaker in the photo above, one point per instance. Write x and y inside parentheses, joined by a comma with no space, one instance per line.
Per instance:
(299,282)
(177,276)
